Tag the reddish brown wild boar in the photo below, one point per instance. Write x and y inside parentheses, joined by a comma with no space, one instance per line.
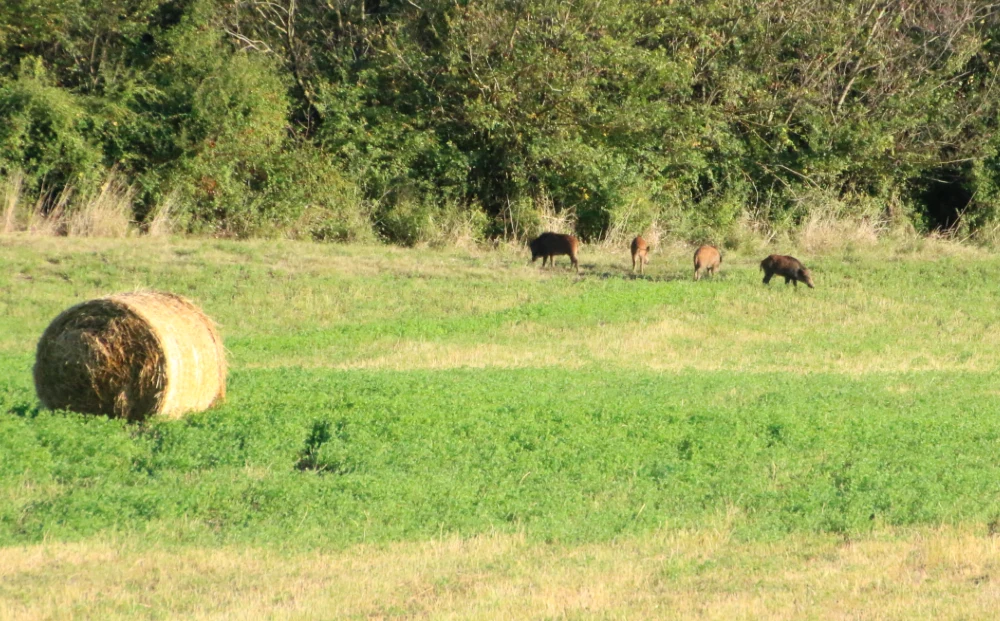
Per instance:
(706,259)
(549,245)
(639,253)
(789,267)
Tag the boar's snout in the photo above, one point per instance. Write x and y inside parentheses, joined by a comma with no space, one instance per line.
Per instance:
(807,278)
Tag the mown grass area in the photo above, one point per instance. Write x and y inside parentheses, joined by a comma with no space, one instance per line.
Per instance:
(944,573)
(391,397)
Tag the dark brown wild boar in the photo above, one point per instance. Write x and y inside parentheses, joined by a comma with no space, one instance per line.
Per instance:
(549,245)
(706,259)
(639,253)
(789,267)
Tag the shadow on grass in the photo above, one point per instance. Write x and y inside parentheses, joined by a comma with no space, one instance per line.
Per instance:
(604,272)
(25,410)
(625,273)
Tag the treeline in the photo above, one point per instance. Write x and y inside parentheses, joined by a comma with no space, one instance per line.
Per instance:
(340,119)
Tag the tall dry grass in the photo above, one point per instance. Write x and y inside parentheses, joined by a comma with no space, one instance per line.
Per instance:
(622,230)
(552,220)
(990,236)
(161,223)
(48,217)
(106,212)
(822,233)
(13,190)
(830,226)
(525,218)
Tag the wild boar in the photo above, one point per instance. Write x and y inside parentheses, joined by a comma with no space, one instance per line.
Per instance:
(706,259)
(549,245)
(789,267)
(639,253)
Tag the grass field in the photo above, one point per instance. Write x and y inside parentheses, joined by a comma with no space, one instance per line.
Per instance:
(453,434)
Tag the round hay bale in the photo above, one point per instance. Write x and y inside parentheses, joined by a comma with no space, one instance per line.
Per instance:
(131,355)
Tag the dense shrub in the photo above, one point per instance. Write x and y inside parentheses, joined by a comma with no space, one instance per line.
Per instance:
(47,130)
(691,115)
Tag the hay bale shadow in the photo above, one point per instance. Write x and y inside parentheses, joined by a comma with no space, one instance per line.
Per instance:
(25,410)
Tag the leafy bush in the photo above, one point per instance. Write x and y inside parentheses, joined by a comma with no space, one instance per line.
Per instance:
(47,131)
(714,112)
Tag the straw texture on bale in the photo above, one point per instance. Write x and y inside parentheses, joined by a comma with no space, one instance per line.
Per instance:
(130,356)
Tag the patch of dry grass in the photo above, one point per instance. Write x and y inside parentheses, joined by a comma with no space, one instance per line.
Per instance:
(410,354)
(161,223)
(945,573)
(13,194)
(819,234)
(106,212)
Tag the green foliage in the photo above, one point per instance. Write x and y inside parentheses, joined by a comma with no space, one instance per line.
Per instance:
(713,111)
(315,199)
(410,221)
(47,130)
(235,133)
(324,458)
